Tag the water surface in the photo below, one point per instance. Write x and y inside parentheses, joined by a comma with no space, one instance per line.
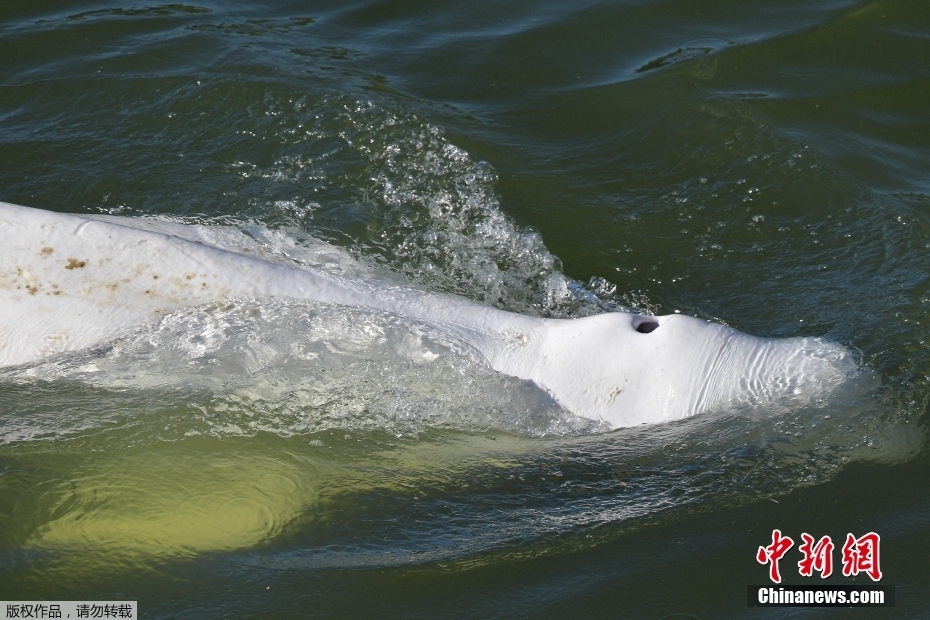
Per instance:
(762,164)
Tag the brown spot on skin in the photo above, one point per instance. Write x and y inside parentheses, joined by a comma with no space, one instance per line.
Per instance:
(155,277)
(56,292)
(32,289)
(189,276)
(74,263)
(203,285)
(46,251)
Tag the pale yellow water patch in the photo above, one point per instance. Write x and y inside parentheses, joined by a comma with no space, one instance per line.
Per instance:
(454,460)
(174,503)
(202,495)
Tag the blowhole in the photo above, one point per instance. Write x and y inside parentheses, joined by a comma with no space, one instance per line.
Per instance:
(646,327)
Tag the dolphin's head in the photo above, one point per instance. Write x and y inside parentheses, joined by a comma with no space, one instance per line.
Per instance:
(629,369)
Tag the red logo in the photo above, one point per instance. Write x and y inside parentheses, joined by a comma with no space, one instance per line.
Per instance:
(773,553)
(860,555)
(817,557)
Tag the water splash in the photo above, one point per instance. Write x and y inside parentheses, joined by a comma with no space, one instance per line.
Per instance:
(413,203)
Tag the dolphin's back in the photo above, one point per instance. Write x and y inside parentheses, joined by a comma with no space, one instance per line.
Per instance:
(69,281)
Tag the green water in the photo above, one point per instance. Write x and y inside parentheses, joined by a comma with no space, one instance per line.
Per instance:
(763,164)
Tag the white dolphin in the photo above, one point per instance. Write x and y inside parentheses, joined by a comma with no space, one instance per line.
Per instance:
(69,281)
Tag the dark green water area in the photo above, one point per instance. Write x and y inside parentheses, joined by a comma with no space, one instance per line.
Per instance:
(765,164)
